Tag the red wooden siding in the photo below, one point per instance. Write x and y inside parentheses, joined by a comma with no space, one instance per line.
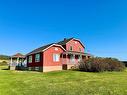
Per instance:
(48,56)
(35,64)
(76,46)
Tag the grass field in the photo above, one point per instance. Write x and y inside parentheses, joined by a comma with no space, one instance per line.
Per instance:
(62,83)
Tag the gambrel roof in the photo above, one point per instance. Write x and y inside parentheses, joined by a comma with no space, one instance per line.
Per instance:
(65,41)
(61,43)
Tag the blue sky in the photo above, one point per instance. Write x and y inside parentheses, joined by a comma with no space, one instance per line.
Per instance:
(100,24)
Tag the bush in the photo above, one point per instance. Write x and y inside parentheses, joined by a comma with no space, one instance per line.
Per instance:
(125,62)
(100,65)
(3,63)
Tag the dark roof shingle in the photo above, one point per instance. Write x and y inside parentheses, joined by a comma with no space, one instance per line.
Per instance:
(18,55)
(64,41)
(39,49)
(46,46)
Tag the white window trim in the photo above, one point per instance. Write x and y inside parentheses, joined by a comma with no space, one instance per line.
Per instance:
(76,42)
(79,58)
(56,49)
(55,59)
(80,49)
(37,60)
(36,68)
(30,58)
(72,58)
(70,48)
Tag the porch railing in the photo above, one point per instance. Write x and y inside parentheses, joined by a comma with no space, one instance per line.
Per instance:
(70,61)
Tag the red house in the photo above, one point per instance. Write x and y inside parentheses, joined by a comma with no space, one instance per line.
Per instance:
(57,56)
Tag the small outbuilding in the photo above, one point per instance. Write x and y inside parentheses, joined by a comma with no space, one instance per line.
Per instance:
(16,60)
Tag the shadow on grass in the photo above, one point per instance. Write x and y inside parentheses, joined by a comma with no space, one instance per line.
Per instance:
(5,69)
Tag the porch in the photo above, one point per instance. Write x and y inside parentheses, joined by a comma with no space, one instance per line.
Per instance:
(71,57)
(17,60)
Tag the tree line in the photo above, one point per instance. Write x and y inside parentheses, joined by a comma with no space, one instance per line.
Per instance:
(4,57)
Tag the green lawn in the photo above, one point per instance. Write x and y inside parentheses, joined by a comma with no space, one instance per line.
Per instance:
(62,83)
(3,67)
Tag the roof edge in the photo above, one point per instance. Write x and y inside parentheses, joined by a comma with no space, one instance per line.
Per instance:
(47,48)
(53,45)
(77,40)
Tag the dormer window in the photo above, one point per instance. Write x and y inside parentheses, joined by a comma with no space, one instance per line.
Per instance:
(71,48)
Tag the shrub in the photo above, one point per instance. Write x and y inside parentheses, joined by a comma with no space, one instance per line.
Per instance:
(100,65)
(3,63)
(125,62)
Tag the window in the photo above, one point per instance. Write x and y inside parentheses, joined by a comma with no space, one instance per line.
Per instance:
(29,68)
(36,68)
(30,59)
(37,58)
(72,58)
(56,49)
(80,49)
(56,57)
(75,42)
(71,48)
(79,58)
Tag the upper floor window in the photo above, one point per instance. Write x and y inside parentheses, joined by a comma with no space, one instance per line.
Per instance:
(80,49)
(75,42)
(56,57)
(56,49)
(37,58)
(71,48)
(30,59)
